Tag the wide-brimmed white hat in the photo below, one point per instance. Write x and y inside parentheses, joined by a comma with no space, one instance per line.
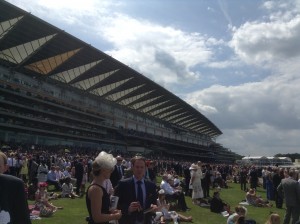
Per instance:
(193,167)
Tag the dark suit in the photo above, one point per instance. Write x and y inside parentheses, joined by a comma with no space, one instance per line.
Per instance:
(126,192)
(253,178)
(116,176)
(79,171)
(13,202)
(243,180)
(291,190)
(276,181)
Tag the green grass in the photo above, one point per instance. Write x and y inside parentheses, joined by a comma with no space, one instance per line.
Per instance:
(75,210)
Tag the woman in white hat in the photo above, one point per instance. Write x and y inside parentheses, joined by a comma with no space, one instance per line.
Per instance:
(196,176)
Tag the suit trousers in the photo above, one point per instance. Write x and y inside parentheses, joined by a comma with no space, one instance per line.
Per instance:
(291,211)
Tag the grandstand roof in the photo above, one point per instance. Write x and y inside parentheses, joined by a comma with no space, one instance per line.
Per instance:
(37,48)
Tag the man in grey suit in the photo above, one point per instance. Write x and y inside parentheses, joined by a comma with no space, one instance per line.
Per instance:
(290,188)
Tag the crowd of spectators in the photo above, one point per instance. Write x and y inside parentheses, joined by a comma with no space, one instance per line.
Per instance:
(68,171)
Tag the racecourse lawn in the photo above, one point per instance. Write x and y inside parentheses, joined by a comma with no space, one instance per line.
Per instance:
(74,211)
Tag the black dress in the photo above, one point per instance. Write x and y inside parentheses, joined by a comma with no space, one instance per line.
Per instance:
(105,204)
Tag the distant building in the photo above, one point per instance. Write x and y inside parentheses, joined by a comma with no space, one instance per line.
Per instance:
(265,161)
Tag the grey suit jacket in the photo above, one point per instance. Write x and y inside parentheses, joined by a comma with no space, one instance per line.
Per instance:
(291,191)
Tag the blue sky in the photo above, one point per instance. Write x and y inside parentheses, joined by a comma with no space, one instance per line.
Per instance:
(237,62)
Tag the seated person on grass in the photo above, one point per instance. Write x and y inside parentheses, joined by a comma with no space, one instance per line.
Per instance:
(173,193)
(217,205)
(274,218)
(163,212)
(42,200)
(255,200)
(52,179)
(67,189)
(239,211)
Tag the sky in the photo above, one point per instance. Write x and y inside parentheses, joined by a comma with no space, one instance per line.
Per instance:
(237,62)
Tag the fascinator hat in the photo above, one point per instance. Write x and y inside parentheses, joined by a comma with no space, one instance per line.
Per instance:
(104,161)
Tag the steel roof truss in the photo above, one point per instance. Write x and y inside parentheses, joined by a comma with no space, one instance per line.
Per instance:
(145,102)
(209,133)
(47,65)
(120,88)
(187,120)
(200,129)
(6,26)
(132,100)
(153,106)
(140,97)
(19,53)
(132,96)
(183,117)
(88,84)
(176,118)
(194,124)
(118,95)
(105,89)
(73,73)
(161,113)
(160,102)
(162,105)
(171,117)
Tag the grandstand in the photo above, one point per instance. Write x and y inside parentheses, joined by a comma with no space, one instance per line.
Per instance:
(58,90)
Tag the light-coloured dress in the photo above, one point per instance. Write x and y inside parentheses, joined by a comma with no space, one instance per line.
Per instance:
(197,175)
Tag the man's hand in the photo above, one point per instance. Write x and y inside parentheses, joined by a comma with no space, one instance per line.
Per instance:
(153,207)
(134,206)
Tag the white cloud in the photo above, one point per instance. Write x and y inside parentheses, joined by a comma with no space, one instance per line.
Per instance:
(224,64)
(269,5)
(165,54)
(271,42)
(261,140)
(255,116)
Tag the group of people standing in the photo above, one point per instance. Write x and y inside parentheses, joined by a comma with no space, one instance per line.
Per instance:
(138,196)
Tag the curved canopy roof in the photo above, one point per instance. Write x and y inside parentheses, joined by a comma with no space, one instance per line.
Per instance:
(35,47)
